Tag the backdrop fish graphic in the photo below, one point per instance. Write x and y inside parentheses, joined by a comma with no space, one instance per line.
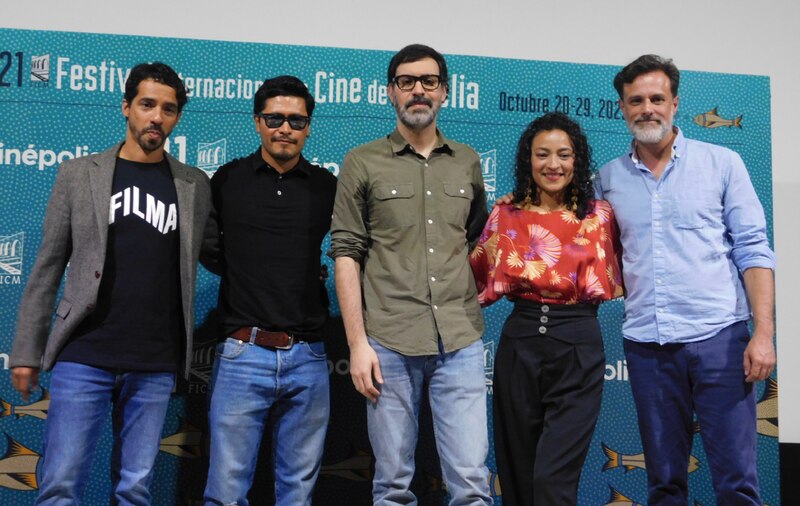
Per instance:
(18,467)
(356,467)
(36,409)
(187,443)
(712,119)
(630,462)
(618,499)
(767,409)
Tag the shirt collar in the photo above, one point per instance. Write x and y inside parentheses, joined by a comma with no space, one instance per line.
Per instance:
(301,169)
(678,147)
(400,146)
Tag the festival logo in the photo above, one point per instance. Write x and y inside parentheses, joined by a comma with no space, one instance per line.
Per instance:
(712,119)
(40,69)
(488,365)
(11,247)
(489,173)
(211,155)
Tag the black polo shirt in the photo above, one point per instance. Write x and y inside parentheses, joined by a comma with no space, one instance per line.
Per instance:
(271,231)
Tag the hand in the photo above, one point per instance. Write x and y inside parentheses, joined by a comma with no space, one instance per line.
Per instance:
(759,358)
(508,198)
(364,365)
(25,379)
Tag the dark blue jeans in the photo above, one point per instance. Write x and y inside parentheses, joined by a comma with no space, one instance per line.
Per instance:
(669,382)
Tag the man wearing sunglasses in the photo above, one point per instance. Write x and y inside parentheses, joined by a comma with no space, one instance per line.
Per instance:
(273,209)
(408,207)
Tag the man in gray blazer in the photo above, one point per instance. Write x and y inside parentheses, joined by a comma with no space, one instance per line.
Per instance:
(129,222)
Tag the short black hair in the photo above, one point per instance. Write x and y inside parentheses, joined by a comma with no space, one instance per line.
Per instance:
(645,64)
(417,52)
(158,72)
(282,86)
(581,183)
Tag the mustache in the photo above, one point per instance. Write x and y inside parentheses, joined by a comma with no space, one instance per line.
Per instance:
(641,119)
(154,128)
(284,138)
(418,100)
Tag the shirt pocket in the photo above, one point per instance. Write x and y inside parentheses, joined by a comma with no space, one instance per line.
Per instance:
(394,205)
(694,210)
(457,202)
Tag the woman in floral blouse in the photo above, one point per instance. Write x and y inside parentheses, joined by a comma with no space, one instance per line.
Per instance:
(555,253)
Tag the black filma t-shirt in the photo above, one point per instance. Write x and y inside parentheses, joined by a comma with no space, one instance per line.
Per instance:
(138,320)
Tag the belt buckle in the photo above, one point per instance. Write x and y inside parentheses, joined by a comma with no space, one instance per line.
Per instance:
(289,344)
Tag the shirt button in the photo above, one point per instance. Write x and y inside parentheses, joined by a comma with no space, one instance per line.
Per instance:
(427,192)
(430,222)
(279,192)
(461,190)
(426,164)
(97,274)
(542,329)
(394,192)
(660,310)
(435,306)
(430,250)
(658,281)
(433,278)
(545,308)
(543,319)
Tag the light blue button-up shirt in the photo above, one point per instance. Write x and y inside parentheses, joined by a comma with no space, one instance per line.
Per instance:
(687,237)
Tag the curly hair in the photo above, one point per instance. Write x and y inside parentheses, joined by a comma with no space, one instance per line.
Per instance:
(583,166)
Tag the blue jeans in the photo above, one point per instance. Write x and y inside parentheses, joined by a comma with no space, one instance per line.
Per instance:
(707,377)
(250,385)
(457,393)
(80,400)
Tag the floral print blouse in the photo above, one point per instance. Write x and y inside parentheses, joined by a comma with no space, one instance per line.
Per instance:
(548,257)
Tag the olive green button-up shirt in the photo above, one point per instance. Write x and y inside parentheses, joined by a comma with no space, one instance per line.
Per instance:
(410,222)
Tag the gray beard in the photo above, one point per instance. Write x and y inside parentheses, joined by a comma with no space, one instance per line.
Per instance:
(417,121)
(650,135)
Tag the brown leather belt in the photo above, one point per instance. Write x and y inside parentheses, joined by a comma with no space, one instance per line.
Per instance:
(265,338)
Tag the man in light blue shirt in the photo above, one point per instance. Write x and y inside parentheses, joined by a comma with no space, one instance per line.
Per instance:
(697,266)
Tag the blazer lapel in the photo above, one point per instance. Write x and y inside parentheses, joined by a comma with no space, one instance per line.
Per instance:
(101,178)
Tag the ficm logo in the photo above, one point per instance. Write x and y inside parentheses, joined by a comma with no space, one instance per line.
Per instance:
(40,69)
(211,155)
(489,173)
(11,249)
(488,365)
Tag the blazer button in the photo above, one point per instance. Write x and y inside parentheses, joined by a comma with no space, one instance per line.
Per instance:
(97,274)
(90,307)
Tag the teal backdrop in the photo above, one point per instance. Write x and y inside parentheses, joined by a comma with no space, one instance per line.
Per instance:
(60,97)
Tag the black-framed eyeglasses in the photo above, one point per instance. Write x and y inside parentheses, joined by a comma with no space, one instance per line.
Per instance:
(296,121)
(429,82)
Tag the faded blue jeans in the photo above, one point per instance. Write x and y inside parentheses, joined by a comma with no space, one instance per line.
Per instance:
(249,386)
(457,392)
(80,399)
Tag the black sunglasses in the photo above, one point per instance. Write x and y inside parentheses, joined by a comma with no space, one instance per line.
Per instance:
(296,122)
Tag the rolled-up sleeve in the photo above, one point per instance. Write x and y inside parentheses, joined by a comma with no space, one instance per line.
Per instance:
(349,233)
(744,219)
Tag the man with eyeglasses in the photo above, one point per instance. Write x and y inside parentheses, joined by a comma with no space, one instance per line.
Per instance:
(273,210)
(408,208)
